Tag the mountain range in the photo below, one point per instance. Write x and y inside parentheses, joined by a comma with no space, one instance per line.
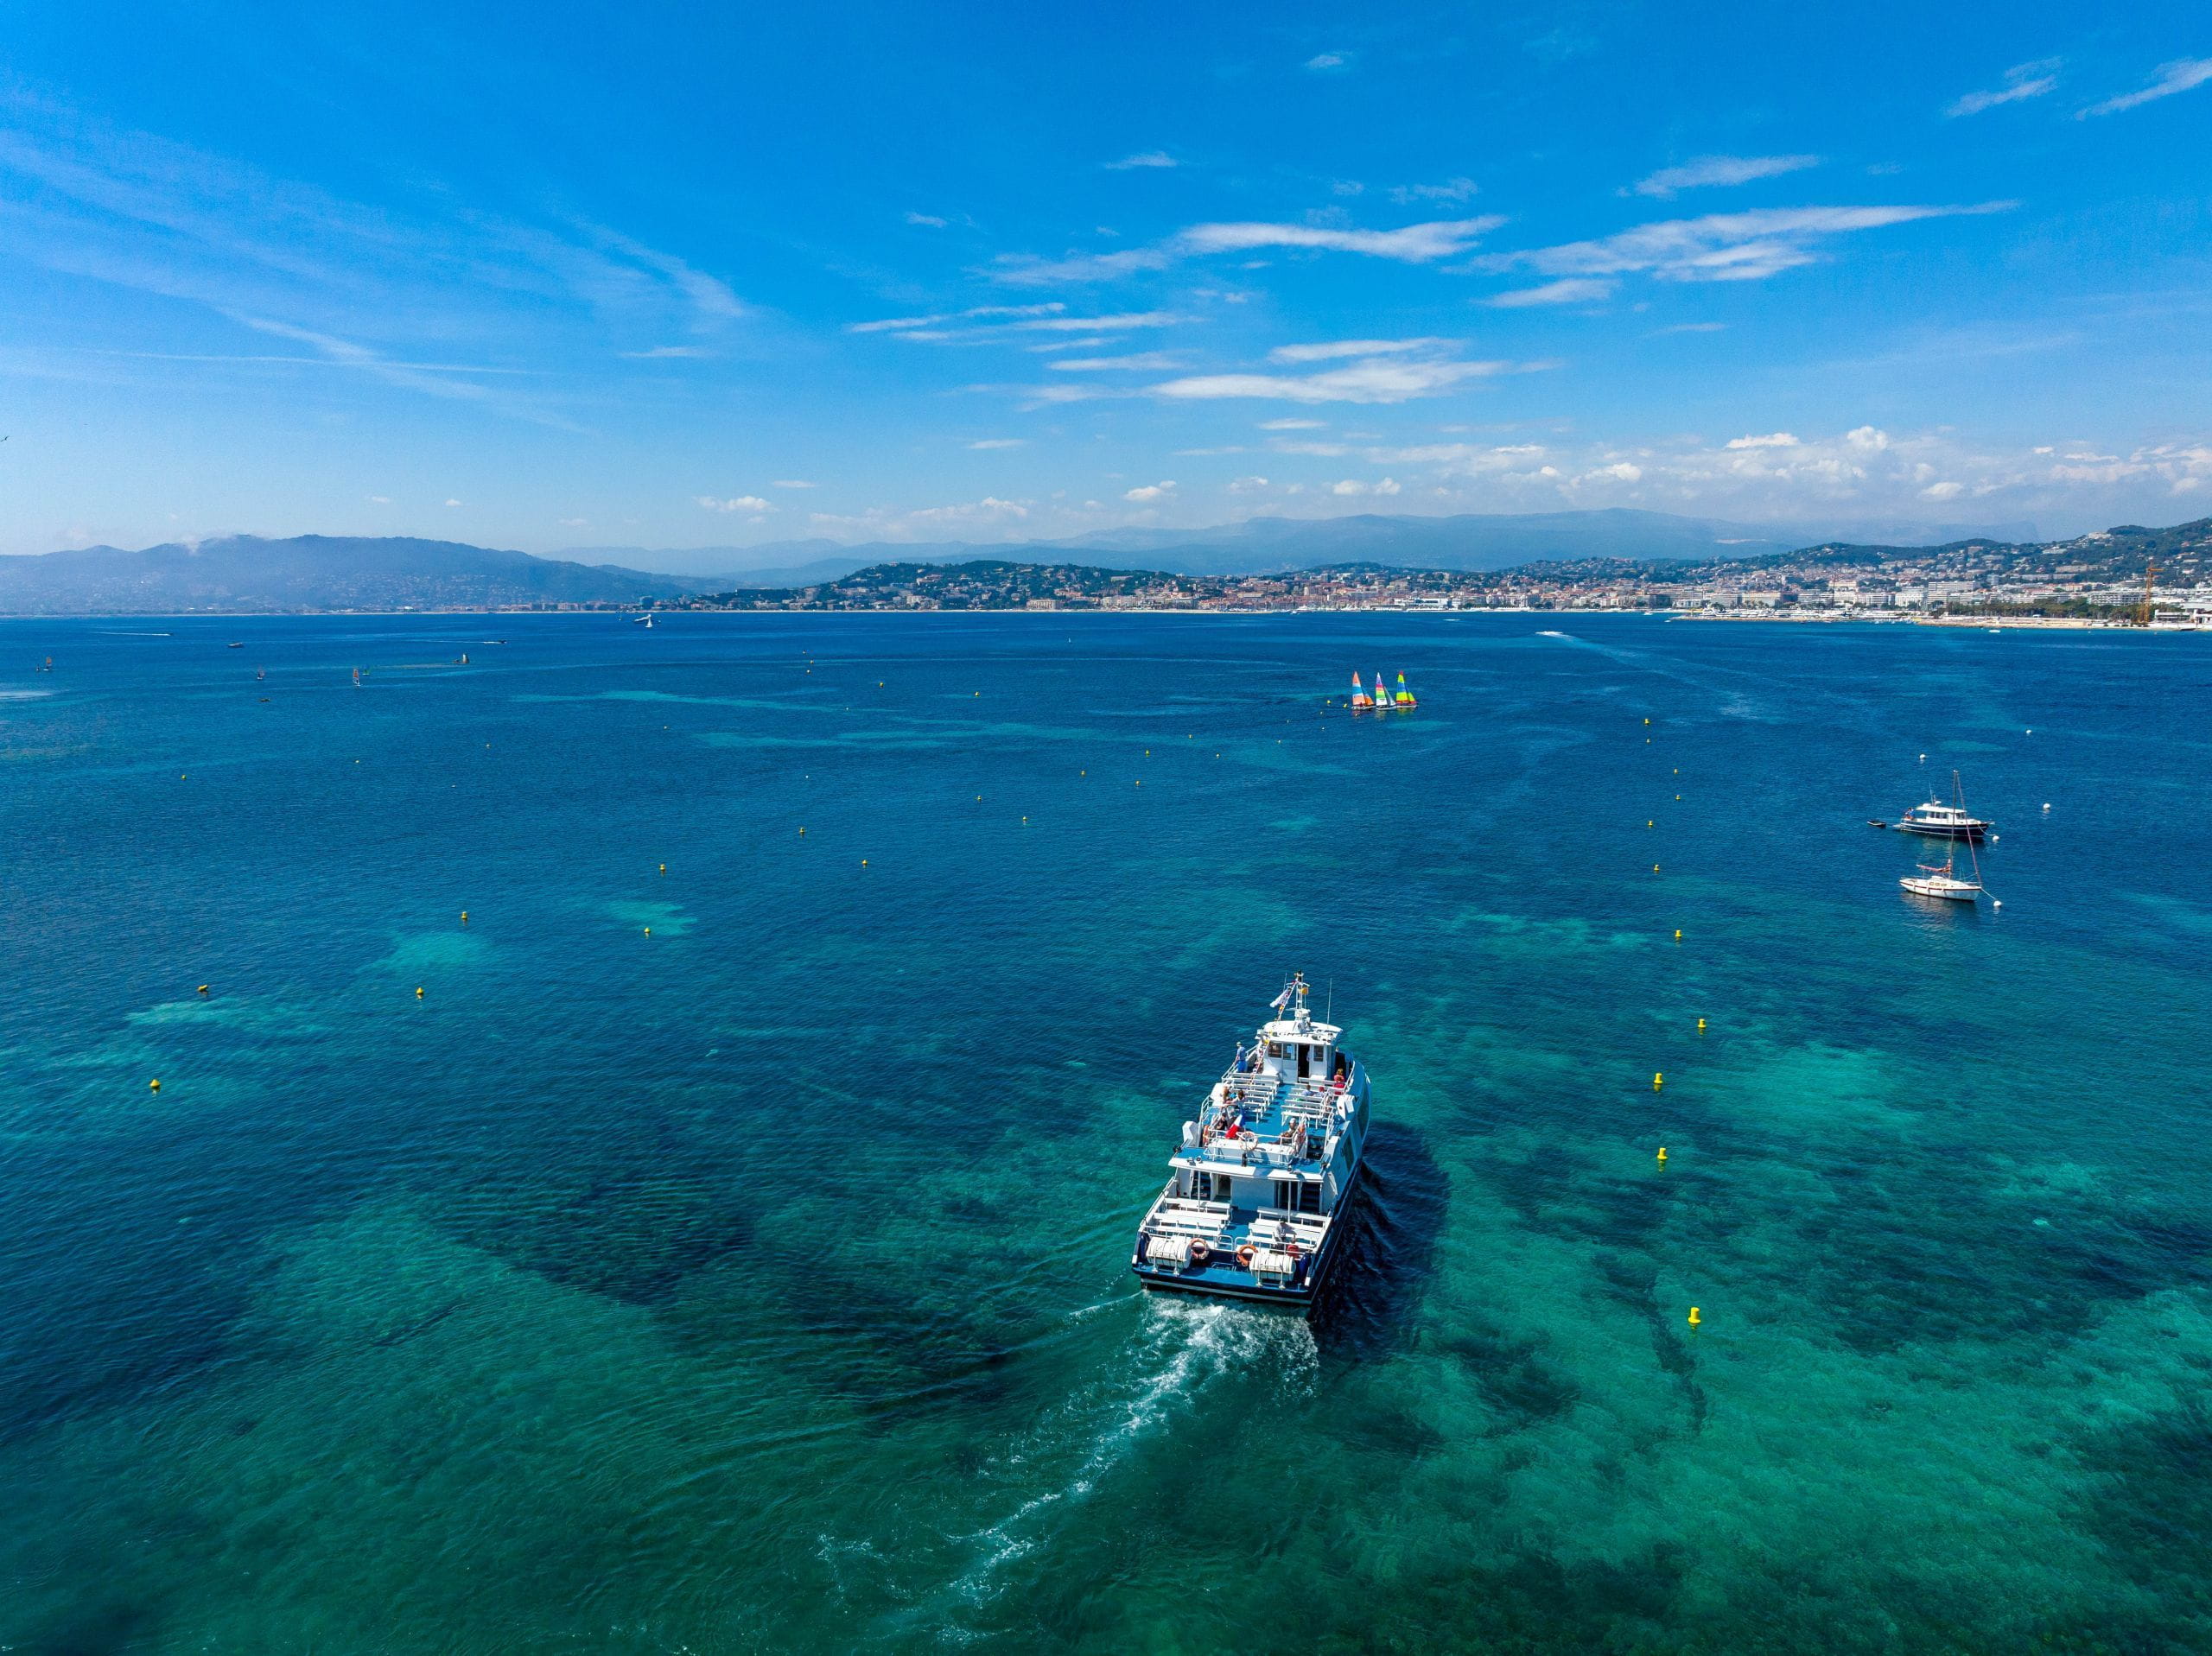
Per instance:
(243,574)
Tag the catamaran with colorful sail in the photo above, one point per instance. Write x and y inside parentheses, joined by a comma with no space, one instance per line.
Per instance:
(1405,697)
(1255,1206)
(1360,699)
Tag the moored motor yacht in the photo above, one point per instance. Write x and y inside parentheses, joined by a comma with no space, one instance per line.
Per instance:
(1943,821)
(1256,1204)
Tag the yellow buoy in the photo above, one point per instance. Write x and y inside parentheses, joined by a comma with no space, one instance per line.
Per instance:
(155,1084)
(1647,721)
(203,988)
(464,916)
(1678,934)
(1663,1152)
(802,830)
(1650,823)
(1654,867)
(419,991)
(1701,1022)
(1657,1080)
(979,799)
(863,862)
(664,869)
(1694,1319)
(649,931)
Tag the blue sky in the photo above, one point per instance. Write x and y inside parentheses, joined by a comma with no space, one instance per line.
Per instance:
(544,276)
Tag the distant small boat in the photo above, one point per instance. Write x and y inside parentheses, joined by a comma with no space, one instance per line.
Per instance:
(236,644)
(1875,822)
(642,621)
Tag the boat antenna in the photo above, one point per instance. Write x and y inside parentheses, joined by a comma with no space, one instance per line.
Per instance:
(1329,1013)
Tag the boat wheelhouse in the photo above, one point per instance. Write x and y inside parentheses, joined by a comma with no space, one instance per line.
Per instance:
(1256,1204)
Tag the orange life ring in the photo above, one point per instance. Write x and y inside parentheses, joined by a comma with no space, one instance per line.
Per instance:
(1245,1256)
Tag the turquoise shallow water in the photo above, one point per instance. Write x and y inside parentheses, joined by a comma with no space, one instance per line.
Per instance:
(760,1284)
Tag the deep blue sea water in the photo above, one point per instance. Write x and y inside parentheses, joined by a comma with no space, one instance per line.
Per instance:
(734,1258)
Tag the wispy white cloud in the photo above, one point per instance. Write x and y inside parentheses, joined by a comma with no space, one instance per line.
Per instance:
(998,442)
(358,283)
(735,503)
(930,220)
(1373,379)
(2022,80)
(1142,159)
(1150,360)
(1410,243)
(1292,425)
(1773,439)
(1332,350)
(1452,189)
(2175,77)
(906,324)
(1149,492)
(1568,291)
(661,351)
(1247,485)
(1417,244)
(1352,485)
(1708,171)
(1721,246)
(1321,61)
(795,483)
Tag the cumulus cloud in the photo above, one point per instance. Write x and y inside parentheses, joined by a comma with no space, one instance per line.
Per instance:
(1145,495)
(1147,158)
(1247,485)
(1354,486)
(453,502)
(1773,439)
(2175,77)
(1568,291)
(735,503)
(1720,246)
(1708,171)
(2022,80)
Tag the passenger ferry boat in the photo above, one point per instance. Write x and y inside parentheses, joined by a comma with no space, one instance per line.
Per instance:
(1255,1206)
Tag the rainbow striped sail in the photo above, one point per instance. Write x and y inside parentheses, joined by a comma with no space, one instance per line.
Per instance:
(1359,696)
(1405,697)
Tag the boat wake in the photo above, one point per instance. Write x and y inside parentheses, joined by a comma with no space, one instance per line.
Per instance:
(1182,1348)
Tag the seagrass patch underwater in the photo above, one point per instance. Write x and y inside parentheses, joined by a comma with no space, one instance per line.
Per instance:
(728,1250)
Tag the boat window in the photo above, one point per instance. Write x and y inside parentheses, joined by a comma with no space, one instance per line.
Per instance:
(1274,1048)
(1305,1053)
